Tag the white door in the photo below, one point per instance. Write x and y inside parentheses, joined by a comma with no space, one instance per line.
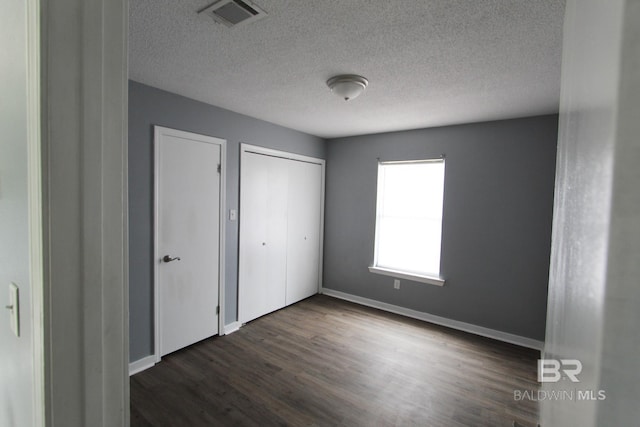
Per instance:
(263,235)
(304,230)
(188,205)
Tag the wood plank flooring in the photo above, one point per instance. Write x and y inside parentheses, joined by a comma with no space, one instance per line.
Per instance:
(327,362)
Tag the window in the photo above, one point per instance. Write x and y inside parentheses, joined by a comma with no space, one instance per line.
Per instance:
(409,220)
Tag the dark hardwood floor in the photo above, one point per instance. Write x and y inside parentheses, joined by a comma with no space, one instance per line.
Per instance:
(327,362)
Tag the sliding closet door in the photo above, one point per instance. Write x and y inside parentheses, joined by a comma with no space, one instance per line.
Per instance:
(263,235)
(304,230)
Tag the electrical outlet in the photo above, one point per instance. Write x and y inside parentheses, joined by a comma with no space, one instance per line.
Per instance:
(396,284)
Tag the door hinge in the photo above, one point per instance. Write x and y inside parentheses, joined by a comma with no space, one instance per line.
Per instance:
(219,168)
(218,309)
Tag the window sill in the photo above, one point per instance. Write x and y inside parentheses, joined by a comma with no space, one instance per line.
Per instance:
(432,280)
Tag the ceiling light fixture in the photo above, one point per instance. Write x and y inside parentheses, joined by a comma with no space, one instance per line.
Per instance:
(347,86)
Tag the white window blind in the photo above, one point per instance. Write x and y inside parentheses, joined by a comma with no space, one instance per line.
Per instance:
(409,217)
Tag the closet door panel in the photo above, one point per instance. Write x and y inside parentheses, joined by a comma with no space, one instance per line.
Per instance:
(304,228)
(263,236)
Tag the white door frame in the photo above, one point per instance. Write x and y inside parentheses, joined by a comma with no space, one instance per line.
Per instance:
(256,149)
(85,222)
(158,132)
(34,194)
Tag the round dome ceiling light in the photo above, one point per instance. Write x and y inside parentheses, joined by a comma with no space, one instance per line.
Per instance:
(347,86)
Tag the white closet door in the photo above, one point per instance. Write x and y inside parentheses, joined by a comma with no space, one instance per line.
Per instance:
(263,235)
(304,227)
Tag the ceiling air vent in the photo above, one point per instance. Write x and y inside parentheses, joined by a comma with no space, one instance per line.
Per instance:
(233,12)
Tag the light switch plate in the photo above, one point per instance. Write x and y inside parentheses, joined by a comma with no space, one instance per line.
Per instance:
(14,308)
(396,284)
(233,215)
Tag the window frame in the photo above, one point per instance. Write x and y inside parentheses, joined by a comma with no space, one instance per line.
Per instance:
(432,279)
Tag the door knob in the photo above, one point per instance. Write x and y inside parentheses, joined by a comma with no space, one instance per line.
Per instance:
(168,258)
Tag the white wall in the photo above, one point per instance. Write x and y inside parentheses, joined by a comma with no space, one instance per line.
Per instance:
(593,311)
(16,366)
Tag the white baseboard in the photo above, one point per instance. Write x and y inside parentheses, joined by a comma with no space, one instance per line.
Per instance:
(231,328)
(149,361)
(442,321)
(142,364)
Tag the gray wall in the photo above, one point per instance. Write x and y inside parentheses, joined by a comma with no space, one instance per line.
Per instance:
(147,107)
(499,183)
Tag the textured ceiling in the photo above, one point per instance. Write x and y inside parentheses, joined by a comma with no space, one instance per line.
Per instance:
(429,62)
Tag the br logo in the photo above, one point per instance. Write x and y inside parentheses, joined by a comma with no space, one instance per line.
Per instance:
(552,370)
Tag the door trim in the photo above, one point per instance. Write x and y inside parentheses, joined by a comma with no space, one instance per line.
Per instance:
(158,132)
(34,194)
(256,149)
(83,114)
